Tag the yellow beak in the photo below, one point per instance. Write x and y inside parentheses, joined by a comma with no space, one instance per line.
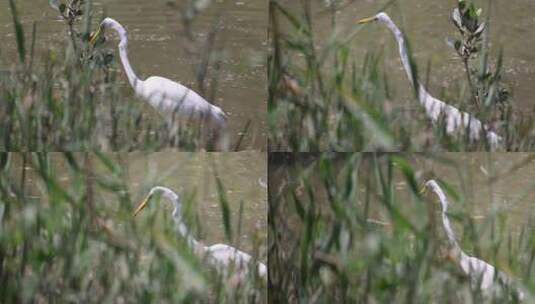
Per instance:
(423,190)
(94,36)
(366,20)
(142,205)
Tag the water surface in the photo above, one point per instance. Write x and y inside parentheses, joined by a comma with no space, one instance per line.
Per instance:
(490,187)
(157,47)
(192,176)
(427,25)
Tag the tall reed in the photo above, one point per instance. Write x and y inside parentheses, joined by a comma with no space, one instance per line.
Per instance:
(67,234)
(322,98)
(71,98)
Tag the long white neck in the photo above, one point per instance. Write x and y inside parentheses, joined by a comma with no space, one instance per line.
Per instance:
(184,231)
(445,220)
(434,107)
(451,238)
(173,198)
(424,97)
(135,82)
(449,230)
(402,48)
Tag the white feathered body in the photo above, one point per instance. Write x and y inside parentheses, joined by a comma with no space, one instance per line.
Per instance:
(172,98)
(455,119)
(225,255)
(486,276)
(480,272)
(221,256)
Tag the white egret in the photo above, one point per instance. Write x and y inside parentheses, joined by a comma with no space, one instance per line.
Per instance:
(455,119)
(481,273)
(167,96)
(221,256)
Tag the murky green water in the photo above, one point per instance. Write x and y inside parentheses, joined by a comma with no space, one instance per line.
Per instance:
(427,25)
(190,175)
(156,47)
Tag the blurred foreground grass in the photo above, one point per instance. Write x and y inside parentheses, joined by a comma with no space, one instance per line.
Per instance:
(321,98)
(354,228)
(67,234)
(70,97)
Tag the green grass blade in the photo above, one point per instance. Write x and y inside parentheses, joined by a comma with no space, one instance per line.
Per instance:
(19,31)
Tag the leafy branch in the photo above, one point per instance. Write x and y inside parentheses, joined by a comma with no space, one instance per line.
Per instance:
(485,85)
(465,18)
(70,11)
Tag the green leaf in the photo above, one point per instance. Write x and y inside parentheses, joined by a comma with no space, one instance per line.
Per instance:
(298,206)
(291,18)
(450,191)
(225,210)
(2,210)
(470,22)
(19,32)
(108,58)
(407,171)
(5,160)
(462,4)
(457,45)
(473,13)
(62,8)
(108,163)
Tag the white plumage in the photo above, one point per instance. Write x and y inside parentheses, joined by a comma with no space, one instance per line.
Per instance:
(170,98)
(221,256)
(481,273)
(456,121)
(228,255)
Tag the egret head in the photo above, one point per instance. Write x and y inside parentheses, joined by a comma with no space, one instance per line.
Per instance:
(381,17)
(166,193)
(433,186)
(105,24)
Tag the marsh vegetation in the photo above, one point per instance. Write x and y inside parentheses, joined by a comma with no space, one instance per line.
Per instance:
(59,93)
(68,234)
(331,89)
(356,227)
